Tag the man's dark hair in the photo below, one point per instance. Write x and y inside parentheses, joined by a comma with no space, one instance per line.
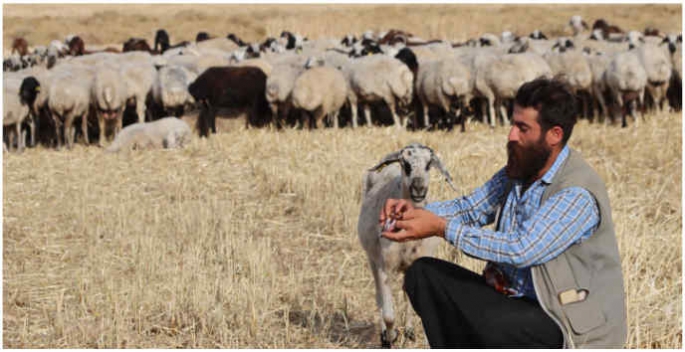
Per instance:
(554,102)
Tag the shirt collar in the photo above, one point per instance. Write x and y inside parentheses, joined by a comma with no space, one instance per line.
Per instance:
(549,175)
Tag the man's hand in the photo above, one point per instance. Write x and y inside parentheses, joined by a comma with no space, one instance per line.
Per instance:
(415,224)
(393,209)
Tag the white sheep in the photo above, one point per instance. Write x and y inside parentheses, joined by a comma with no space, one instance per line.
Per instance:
(401,174)
(279,86)
(167,132)
(379,78)
(574,69)
(626,79)
(139,79)
(320,91)
(108,97)
(69,99)
(443,83)
(599,62)
(170,89)
(657,63)
(499,77)
(14,112)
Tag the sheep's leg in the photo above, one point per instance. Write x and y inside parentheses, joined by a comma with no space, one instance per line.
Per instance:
(353,110)
(20,140)
(426,118)
(119,123)
(84,128)
(385,303)
(318,115)
(395,117)
(602,104)
(58,131)
(367,115)
(101,124)
(140,109)
(503,112)
(491,111)
(336,123)
(69,129)
(32,127)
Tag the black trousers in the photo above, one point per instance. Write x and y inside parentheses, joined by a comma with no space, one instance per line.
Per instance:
(458,309)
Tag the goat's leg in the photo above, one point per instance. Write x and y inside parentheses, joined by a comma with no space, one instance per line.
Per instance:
(409,332)
(385,304)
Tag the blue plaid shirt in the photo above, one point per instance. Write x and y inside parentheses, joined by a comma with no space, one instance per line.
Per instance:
(530,233)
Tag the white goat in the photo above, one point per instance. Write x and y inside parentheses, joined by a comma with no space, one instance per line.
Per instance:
(400,174)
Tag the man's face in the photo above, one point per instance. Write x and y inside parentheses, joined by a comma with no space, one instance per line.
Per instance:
(527,148)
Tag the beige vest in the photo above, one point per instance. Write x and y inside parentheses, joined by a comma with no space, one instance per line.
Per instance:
(582,289)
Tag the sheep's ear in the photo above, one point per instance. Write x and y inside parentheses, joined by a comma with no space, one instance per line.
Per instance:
(387,160)
(435,161)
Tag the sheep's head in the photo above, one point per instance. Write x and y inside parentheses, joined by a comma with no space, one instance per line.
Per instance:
(30,87)
(415,160)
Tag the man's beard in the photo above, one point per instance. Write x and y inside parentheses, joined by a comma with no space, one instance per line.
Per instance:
(524,163)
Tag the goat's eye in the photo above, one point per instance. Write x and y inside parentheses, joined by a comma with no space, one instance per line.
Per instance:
(428,166)
(406,166)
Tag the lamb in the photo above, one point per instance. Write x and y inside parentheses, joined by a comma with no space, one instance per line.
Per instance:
(108,97)
(168,133)
(320,91)
(14,112)
(400,174)
(170,89)
(379,78)
(626,79)
(444,83)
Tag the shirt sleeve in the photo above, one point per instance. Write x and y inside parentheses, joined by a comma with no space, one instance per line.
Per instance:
(567,217)
(477,209)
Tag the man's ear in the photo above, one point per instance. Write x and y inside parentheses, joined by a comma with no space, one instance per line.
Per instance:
(554,136)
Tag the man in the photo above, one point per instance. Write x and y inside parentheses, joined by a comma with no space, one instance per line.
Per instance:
(553,275)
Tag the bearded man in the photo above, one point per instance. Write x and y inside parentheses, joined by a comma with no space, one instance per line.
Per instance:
(553,274)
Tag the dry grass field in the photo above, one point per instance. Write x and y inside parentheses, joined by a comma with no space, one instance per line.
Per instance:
(248,239)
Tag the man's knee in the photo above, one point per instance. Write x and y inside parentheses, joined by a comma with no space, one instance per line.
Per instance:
(416,272)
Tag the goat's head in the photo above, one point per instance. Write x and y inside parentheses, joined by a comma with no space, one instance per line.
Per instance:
(415,160)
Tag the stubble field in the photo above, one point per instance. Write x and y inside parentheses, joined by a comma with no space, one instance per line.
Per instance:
(248,239)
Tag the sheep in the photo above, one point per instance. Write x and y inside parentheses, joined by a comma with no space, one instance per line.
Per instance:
(599,62)
(230,87)
(167,132)
(69,100)
(279,86)
(170,89)
(139,79)
(108,97)
(320,91)
(577,24)
(657,63)
(379,78)
(626,79)
(14,112)
(573,68)
(499,77)
(400,174)
(444,83)
(21,46)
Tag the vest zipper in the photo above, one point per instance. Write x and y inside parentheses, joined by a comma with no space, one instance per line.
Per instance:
(567,339)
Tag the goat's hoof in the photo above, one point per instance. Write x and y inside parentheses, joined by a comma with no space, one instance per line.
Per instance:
(409,333)
(388,337)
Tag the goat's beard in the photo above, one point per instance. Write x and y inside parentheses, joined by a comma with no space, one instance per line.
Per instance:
(524,163)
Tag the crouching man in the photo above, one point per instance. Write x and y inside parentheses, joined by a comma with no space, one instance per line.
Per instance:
(553,274)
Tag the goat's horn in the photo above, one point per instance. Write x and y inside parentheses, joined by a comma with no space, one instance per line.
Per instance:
(435,160)
(387,160)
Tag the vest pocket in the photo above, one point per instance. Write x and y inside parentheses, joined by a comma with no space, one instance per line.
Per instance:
(584,316)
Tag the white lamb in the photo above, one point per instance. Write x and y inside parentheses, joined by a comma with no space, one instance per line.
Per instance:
(400,174)
(168,133)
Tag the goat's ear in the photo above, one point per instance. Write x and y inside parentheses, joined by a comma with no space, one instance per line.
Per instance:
(387,160)
(435,161)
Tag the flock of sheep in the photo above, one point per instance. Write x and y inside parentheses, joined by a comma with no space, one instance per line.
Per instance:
(389,77)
